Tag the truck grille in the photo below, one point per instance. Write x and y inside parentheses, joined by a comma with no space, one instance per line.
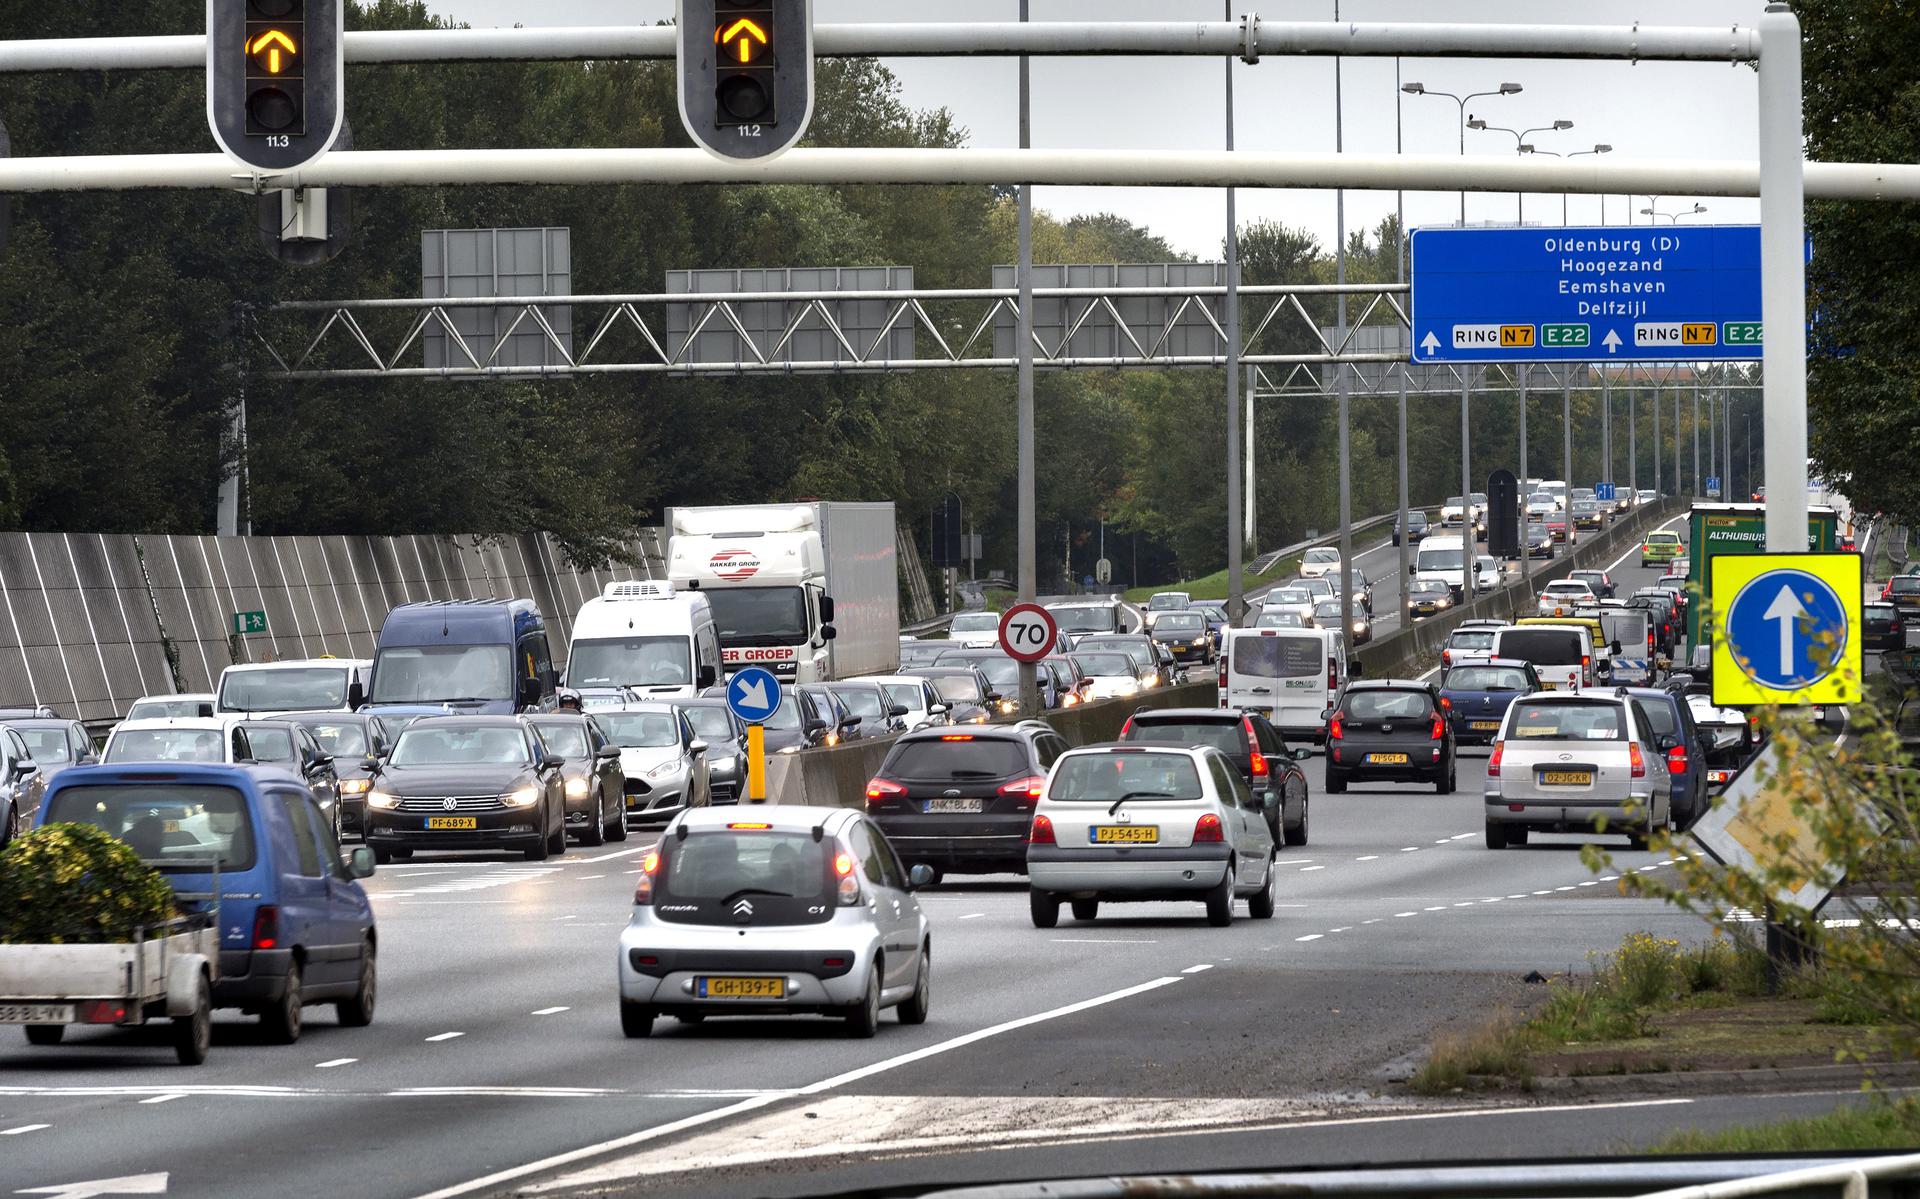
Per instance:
(438,803)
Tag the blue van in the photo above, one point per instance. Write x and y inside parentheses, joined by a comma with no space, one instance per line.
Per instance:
(295,926)
(463,657)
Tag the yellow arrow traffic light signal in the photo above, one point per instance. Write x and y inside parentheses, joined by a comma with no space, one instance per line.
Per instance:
(273,41)
(748,34)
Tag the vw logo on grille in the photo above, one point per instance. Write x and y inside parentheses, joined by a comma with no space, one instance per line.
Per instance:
(1386,728)
(449,804)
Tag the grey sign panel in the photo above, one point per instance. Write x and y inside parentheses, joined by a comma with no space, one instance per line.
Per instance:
(1149,326)
(860,322)
(463,263)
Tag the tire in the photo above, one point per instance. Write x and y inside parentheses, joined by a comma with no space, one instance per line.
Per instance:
(281,1021)
(538,851)
(381,857)
(1220,901)
(1517,835)
(1298,835)
(12,828)
(595,833)
(918,1004)
(617,827)
(1261,906)
(1044,908)
(1336,783)
(1446,784)
(45,1034)
(636,1019)
(1085,909)
(1496,835)
(557,840)
(193,1035)
(358,1011)
(864,1019)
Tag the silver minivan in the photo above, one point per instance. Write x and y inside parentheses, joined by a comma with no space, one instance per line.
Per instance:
(1563,763)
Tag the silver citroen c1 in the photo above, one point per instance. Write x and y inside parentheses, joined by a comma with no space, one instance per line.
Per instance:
(763,910)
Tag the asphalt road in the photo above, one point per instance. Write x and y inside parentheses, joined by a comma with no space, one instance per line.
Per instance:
(496,1061)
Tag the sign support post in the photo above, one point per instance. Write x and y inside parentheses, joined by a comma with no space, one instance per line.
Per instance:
(1783,278)
(756,763)
(753,694)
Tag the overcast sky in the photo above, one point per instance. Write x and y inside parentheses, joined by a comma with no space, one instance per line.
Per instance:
(1647,110)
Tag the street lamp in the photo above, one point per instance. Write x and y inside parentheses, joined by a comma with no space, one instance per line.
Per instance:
(1673,218)
(1421,89)
(1520,146)
(1602,148)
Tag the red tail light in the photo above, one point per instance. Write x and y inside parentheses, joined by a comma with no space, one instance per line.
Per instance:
(1677,760)
(880,790)
(1223,671)
(1634,758)
(101,1011)
(1493,759)
(266,927)
(1041,833)
(649,869)
(1446,657)
(1333,677)
(1029,787)
(1446,704)
(1333,729)
(1439,727)
(1259,766)
(1207,829)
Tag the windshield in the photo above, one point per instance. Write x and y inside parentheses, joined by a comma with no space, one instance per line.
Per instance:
(462,745)
(1166,600)
(1427,587)
(1279,620)
(712,724)
(644,730)
(284,689)
(1553,720)
(961,688)
(47,747)
(775,615)
(863,702)
(563,739)
(1106,777)
(1179,622)
(631,662)
(1105,665)
(176,828)
(1486,678)
(976,622)
(1327,608)
(426,674)
(1441,559)
(1542,647)
(166,745)
(1290,595)
(1084,619)
(1279,657)
(340,740)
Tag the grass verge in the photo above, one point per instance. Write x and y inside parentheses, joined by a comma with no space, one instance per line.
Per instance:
(1878,1123)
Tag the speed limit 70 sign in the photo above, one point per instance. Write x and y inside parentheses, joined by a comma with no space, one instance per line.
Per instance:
(1027,632)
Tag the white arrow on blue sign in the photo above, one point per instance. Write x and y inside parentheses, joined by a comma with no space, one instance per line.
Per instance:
(752,694)
(1787,629)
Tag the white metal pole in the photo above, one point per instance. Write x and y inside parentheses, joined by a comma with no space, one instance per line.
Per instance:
(1023,334)
(1249,493)
(1783,280)
(1400,276)
(1340,371)
(1236,535)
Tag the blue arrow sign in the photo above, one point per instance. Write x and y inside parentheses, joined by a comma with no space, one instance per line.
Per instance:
(1603,492)
(1786,629)
(1666,293)
(753,694)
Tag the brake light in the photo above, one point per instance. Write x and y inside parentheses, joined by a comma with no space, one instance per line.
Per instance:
(1446,704)
(1223,670)
(1635,760)
(101,1011)
(1333,729)
(1446,657)
(1439,727)
(1333,680)
(843,864)
(266,927)
(1126,729)
(1029,787)
(1041,832)
(881,790)
(649,867)
(1677,760)
(1207,829)
(849,883)
(1259,766)
(1493,759)
(956,736)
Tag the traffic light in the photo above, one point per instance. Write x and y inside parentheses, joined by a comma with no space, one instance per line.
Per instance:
(275,79)
(746,74)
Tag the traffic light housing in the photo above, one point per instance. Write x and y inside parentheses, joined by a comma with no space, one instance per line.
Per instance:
(276,79)
(746,74)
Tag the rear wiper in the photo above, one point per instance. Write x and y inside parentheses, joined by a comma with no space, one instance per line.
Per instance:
(973,774)
(1136,795)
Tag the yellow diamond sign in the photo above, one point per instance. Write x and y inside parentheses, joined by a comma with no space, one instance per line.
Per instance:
(1786,628)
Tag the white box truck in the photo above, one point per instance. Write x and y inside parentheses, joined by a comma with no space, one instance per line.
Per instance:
(810,591)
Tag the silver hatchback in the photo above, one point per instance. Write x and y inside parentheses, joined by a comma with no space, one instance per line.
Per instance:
(774,910)
(1564,762)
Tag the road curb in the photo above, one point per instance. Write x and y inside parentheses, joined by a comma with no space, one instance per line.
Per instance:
(1711,1082)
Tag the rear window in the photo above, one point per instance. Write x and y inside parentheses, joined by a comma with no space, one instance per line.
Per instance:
(786,876)
(863,702)
(1882,612)
(1227,736)
(1486,678)
(957,756)
(340,740)
(975,622)
(174,827)
(1106,777)
(1083,619)
(1664,538)
(1906,585)
(1463,639)
(166,745)
(1658,715)
(1384,704)
(563,740)
(1562,720)
(264,745)
(1279,657)
(906,695)
(1180,622)
(1542,647)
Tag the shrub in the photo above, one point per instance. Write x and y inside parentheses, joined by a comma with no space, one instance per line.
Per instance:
(67,884)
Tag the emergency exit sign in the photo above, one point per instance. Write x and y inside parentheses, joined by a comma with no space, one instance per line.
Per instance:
(249,622)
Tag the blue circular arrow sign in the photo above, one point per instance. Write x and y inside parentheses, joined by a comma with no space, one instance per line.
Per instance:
(1786,629)
(753,693)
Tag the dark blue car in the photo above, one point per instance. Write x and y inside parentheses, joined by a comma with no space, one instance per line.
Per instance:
(295,925)
(1679,737)
(1476,695)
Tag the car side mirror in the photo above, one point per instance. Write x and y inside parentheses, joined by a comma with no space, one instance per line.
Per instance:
(826,610)
(851,722)
(87,759)
(828,632)
(323,762)
(1300,754)
(1326,713)
(356,695)
(696,747)
(1617,647)
(816,727)
(896,709)
(529,692)
(360,862)
(939,710)
(607,751)
(1355,668)
(708,677)
(551,763)
(24,767)
(921,875)
(992,697)
(1669,742)
(370,764)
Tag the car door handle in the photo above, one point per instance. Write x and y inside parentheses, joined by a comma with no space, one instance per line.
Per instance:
(1261,690)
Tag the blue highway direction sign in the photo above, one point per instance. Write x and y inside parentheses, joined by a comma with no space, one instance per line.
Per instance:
(753,694)
(1676,293)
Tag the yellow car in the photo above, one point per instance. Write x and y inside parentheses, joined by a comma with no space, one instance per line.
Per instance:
(1661,545)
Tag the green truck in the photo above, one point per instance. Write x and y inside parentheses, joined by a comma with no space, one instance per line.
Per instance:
(1741,529)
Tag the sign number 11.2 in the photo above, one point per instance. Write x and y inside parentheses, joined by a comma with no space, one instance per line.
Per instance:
(1028,632)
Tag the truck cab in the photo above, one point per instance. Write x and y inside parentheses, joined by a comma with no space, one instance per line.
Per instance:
(464,657)
(647,636)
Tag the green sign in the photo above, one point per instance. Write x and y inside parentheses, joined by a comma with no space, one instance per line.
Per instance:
(1569,336)
(1743,333)
(249,622)
(1741,529)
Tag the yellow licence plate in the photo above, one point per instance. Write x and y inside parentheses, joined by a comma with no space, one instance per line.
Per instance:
(1387,759)
(741,988)
(1131,834)
(452,822)
(1566,778)
(1484,726)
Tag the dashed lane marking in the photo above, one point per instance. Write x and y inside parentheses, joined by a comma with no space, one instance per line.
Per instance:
(1101,941)
(1198,969)
(339,1061)
(973,915)
(1310,937)
(167,1098)
(446,1036)
(14,1132)
(1372,857)
(550,1011)
(1305,869)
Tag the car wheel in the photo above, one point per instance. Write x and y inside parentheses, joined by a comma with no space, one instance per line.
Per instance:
(1516,836)
(617,826)
(636,1019)
(864,1020)
(1220,900)
(1496,835)
(1336,783)
(193,1035)
(1260,906)
(1044,907)
(595,832)
(381,857)
(1086,909)
(1297,834)
(557,839)
(281,1021)
(1445,785)
(538,851)
(12,827)
(358,1011)
(45,1034)
(918,1004)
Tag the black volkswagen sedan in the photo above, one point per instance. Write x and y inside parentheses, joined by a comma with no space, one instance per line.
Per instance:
(467,782)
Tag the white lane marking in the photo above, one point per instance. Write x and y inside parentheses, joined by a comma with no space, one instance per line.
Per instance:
(169,1097)
(550,1011)
(1198,969)
(1548,892)
(1465,903)
(446,1036)
(409,873)
(574,916)
(1669,861)
(1607,878)
(1522,896)
(1410,849)
(608,857)
(14,1132)
(1343,928)
(973,915)
(499,877)
(1568,887)
(1372,857)
(1592,882)
(729,1112)
(585,877)
(1310,937)
(1444,841)
(339,1061)
(1491,899)
(1397,915)
(1100,941)
(1462,836)
(507,1092)
(1292,861)
(1438,907)
(1307,869)
(1375,920)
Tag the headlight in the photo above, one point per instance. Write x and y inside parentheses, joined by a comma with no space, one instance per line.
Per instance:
(1007,707)
(382,799)
(980,719)
(1358,625)
(355,786)
(663,770)
(1199,641)
(521,797)
(789,749)
(576,788)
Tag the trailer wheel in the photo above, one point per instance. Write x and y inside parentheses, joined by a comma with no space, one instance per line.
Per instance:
(193,1035)
(45,1034)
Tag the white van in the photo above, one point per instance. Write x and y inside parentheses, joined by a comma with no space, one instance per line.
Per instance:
(1557,488)
(1290,676)
(645,635)
(298,685)
(1444,558)
(1562,654)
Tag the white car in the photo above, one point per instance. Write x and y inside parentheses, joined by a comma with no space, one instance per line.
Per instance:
(664,762)
(916,694)
(1297,600)
(168,739)
(1110,673)
(1486,573)
(1540,505)
(1148,822)
(1452,513)
(158,707)
(975,630)
(1562,762)
(1467,645)
(1561,597)
(774,910)
(1321,560)
(1644,496)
